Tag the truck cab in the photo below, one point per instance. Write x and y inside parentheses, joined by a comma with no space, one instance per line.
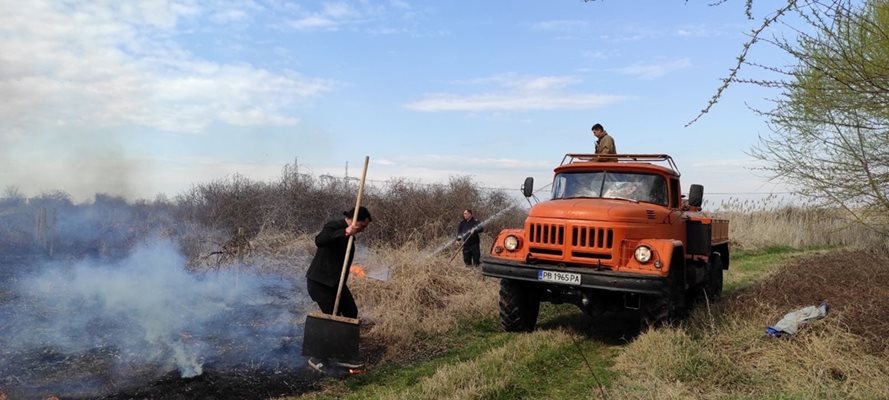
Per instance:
(616,233)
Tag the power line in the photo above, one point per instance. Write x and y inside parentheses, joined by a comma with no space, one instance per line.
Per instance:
(518,188)
(748,193)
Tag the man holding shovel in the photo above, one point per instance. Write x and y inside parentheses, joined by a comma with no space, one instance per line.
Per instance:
(323,276)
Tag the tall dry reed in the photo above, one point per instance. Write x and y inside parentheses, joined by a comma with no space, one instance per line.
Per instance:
(768,223)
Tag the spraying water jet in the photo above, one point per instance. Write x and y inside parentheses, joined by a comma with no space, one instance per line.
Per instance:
(484,222)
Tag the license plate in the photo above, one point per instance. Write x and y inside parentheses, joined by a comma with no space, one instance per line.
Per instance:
(558,277)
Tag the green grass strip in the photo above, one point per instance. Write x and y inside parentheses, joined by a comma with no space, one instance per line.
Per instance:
(749,266)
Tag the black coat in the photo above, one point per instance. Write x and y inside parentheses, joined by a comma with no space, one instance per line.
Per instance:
(327,265)
(464,228)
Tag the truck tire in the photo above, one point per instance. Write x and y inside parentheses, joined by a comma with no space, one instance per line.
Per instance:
(666,307)
(656,311)
(519,306)
(713,286)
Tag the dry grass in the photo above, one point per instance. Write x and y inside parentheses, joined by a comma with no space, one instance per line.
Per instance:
(762,224)
(737,360)
(422,298)
(854,282)
(726,354)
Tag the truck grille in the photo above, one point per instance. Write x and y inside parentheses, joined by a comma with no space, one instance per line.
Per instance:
(551,234)
(581,236)
(590,237)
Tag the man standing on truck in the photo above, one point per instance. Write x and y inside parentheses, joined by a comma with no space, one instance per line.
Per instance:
(604,142)
(467,236)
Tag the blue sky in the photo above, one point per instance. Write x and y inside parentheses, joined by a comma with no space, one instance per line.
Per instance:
(140,98)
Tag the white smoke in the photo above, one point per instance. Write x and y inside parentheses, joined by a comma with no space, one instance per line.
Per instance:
(147,309)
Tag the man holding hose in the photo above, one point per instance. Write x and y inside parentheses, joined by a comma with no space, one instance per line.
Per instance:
(467,236)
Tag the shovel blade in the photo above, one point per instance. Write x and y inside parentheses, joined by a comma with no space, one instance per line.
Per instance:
(327,336)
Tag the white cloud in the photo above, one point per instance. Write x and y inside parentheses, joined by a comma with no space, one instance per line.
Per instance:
(386,31)
(339,10)
(330,18)
(400,4)
(103,65)
(542,83)
(746,179)
(631,33)
(228,16)
(461,162)
(595,55)
(652,71)
(515,93)
(372,17)
(511,102)
(562,26)
(315,22)
(703,30)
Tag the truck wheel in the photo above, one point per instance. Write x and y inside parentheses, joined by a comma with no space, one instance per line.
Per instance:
(656,311)
(519,305)
(714,279)
(667,307)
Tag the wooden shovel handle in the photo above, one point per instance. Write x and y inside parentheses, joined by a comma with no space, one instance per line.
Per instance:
(339,290)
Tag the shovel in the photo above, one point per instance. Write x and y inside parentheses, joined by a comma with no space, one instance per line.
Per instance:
(329,335)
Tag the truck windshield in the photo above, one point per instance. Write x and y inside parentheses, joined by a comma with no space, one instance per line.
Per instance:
(649,188)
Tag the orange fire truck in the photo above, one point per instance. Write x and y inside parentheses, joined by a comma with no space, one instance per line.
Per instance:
(617,233)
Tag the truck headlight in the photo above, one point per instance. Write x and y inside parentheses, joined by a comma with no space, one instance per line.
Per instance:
(642,254)
(511,243)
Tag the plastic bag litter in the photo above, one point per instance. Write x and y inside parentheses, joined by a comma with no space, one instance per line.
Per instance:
(793,321)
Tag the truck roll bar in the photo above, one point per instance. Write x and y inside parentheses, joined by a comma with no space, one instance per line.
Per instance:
(646,158)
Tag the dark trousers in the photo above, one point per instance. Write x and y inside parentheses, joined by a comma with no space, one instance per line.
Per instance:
(325,296)
(472,255)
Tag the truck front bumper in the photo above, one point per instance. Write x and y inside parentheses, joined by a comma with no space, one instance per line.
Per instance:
(589,279)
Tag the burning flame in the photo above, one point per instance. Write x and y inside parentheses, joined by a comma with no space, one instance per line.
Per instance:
(358,271)
(356,371)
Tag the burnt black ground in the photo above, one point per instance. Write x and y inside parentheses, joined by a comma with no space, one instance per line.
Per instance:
(225,384)
(98,373)
(94,375)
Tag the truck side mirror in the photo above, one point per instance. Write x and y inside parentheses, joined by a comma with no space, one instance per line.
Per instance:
(696,195)
(528,187)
